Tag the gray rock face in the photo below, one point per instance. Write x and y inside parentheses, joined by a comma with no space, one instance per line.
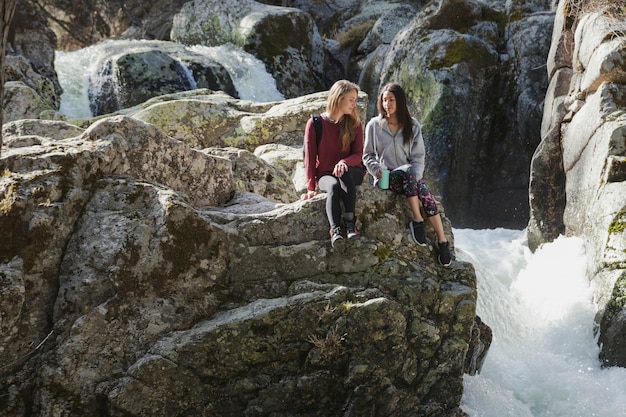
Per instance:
(474,82)
(134,78)
(142,276)
(30,37)
(22,101)
(578,177)
(205,119)
(32,85)
(93,22)
(285,39)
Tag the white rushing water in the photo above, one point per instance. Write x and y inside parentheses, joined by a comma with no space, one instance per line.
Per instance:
(543,360)
(73,71)
(249,74)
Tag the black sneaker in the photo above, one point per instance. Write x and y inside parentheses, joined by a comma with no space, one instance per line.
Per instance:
(351,230)
(444,252)
(335,236)
(418,232)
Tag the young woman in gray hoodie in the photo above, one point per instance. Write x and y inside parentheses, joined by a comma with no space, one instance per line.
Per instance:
(393,141)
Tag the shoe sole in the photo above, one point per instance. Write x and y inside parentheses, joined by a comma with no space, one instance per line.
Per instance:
(439,258)
(337,243)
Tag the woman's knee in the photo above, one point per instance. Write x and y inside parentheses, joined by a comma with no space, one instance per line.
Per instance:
(430,210)
(328,183)
(427,200)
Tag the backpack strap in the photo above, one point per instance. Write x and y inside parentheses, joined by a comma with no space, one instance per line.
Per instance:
(317,124)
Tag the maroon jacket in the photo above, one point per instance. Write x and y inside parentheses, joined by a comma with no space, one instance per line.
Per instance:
(319,161)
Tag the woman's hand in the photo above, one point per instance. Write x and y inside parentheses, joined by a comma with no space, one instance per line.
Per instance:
(340,169)
(379,173)
(308,194)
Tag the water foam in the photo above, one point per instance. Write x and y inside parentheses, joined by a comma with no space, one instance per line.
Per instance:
(544,357)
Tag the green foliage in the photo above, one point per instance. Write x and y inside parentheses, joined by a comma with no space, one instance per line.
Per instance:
(618,298)
(618,225)
(422,89)
(354,35)
(491,15)
(458,51)
(383,252)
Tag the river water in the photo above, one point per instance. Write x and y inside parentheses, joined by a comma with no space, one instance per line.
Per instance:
(249,75)
(543,361)
(544,358)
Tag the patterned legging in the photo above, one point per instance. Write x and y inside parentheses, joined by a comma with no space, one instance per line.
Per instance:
(401,182)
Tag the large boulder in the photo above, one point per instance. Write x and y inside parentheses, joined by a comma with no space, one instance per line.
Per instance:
(204,119)
(150,283)
(133,78)
(31,83)
(21,133)
(294,58)
(22,102)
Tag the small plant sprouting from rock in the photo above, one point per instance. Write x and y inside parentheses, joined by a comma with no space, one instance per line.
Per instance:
(575,9)
(610,8)
(10,196)
(326,312)
(331,344)
(198,302)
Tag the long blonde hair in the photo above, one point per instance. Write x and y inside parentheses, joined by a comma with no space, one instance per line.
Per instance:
(349,122)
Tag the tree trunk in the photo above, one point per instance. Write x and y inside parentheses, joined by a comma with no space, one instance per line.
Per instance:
(7,9)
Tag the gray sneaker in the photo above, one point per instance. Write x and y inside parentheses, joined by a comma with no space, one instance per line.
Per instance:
(444,252)
(418,232)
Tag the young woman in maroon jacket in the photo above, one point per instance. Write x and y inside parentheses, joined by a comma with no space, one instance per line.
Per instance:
(335,165)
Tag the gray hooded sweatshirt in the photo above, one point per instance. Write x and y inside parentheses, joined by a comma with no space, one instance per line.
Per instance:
(385,149)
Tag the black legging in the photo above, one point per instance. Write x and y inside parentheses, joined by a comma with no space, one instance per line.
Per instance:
(343,187)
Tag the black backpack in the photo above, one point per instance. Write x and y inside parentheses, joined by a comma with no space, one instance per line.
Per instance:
(317,124)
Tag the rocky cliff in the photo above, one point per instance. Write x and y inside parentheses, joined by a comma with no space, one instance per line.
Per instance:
(578,174)
(141,276)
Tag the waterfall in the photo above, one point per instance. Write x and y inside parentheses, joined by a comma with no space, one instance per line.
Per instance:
(74,69)
(544,358)
(249,74)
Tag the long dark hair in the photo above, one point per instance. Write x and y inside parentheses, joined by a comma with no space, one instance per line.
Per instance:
(402,109)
